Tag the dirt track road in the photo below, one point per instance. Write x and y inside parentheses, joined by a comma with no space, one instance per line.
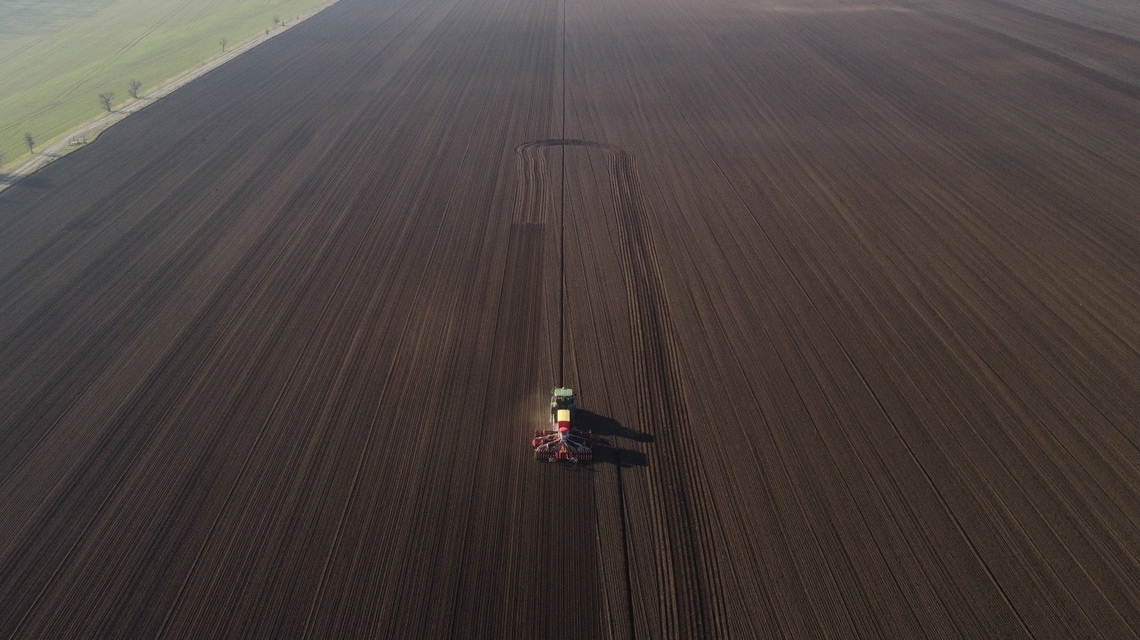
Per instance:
(851,289)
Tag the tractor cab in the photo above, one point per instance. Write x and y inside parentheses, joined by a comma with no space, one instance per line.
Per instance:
(561,398)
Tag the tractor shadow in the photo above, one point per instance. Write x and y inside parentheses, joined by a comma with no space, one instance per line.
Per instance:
(606,431)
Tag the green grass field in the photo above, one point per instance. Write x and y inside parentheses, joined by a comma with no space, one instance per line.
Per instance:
(57,56)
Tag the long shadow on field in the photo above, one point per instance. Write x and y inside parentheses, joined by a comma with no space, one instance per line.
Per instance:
(606,432)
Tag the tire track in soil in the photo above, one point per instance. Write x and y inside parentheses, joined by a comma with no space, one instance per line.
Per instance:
(569,513)
(521,315)
(682,493)
(532,200)
(690,595)
(535,202)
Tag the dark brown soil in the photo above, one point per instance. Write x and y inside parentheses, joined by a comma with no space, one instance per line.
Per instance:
(852,291)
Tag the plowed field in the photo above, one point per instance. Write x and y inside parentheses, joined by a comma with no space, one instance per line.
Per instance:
(851,289)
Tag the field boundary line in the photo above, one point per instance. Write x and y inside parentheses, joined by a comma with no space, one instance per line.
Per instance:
(84,134)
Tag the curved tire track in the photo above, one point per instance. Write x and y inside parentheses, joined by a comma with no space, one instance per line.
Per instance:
(687,568)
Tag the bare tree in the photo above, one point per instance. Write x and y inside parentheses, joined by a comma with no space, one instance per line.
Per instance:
(106,99)
(31,142)
(223,43)
(276,21)
(134,90)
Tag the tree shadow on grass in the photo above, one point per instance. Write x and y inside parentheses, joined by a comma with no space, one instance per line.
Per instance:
(606,431)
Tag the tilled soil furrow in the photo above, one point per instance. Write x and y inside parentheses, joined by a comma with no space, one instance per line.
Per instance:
(662,407)
(848,290)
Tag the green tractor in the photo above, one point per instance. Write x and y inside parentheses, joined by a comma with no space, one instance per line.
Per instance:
(560,398)
(562,442)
